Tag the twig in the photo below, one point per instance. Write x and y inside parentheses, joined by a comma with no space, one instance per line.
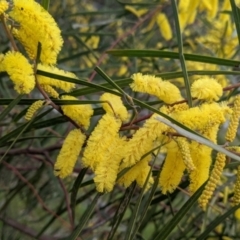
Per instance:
(23,179)
(129,32)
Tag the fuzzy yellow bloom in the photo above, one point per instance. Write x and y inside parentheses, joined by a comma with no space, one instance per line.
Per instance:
(164,26)
(203,117)
(31,16)
(137,12)
(192,10)
(236,196)
(234,120)
(20,72)
(202,159)
(142,141)
(185,151)
(206,88)
(28,41)
(1,60)
(172,170)
(32,109)
(3,6)
(50,90)
(101,140)
(69,152)
(80,114)
(183,5)
(164,90)
(214,9)
(213,181)
(237,214)
(107,169)
(66,86)
(138,173)
(114,103)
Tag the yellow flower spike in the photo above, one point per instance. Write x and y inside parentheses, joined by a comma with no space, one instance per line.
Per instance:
(214,9)
(236,196)
(69,152)
(203,117)
(114,103)
(206,88)
(66,86)
(137,172)
(164,90)
(80,114)
(28,41)
(33,108)
(142,141)
(1,60)
(183,5)
(20,72)
(31,16)
(192,9)
(234,120)
(50,90)
(185,151)
(173,169)
(237,214)
(100,141)
(213,181)
(164,26)
(3,6)
(137,12)
(202,159)
(107,169)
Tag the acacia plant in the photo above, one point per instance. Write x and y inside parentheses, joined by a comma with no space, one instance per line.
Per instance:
(119,119)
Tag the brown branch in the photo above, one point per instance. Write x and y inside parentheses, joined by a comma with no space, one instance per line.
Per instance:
(35,193)
(24,229)
(65,192)
(9,34)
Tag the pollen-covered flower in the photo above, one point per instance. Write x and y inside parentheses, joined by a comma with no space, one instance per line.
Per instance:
(3,6)
(114,105)
(138,173)
(164,26)
(201,156)
(31,16)
(185,151)
(50,90)
(101,139)
(66,86)
(69,152)
(236,196)
(206,88)
(172,170)
(164,90)
(20,72)
(213,181)
(234,120)
(142,141)
(80,114)
(107,169)
(33,108)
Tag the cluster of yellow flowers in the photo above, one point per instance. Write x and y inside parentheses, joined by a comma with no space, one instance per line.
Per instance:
(107,152)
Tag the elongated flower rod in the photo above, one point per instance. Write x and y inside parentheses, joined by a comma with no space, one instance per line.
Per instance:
(69,153)
(33,108)
(234,120)
(80,114)
(213,181)
(19,70)
(31,16)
